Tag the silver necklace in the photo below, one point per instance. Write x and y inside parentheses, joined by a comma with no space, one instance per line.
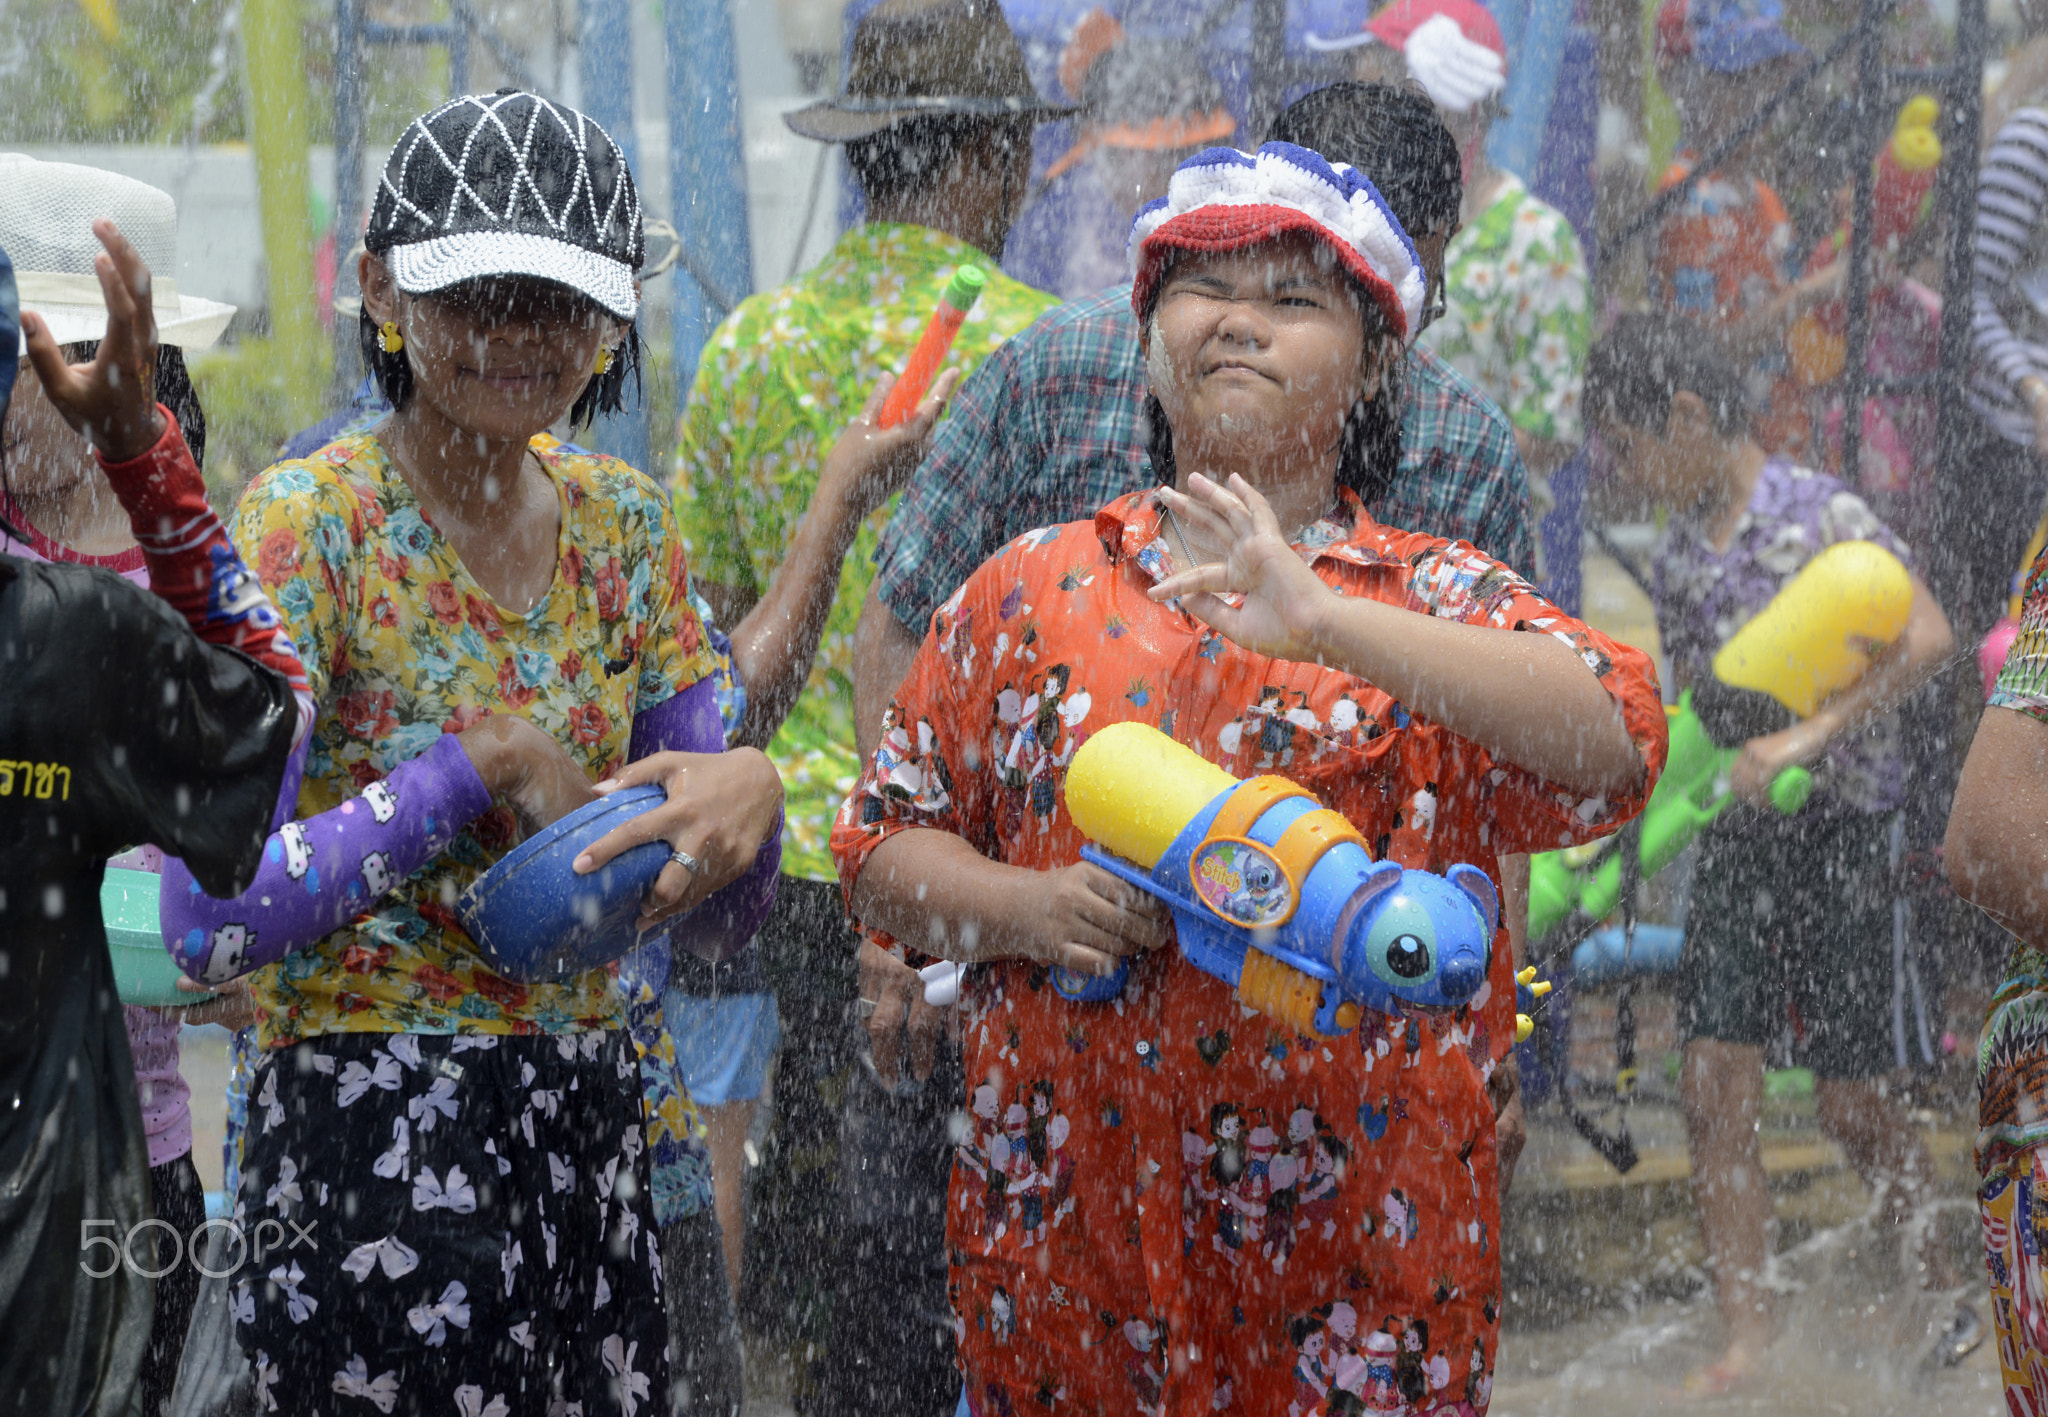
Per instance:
(1181,536)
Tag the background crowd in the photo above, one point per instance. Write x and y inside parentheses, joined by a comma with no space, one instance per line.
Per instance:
(1641,328)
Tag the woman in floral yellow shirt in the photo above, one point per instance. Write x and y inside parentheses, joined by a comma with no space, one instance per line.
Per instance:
(494,623)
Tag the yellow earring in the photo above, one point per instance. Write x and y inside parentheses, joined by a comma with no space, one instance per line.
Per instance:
(389,339)
(604,359)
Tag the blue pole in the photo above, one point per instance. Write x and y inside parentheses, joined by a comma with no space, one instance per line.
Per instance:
(1537,51)
(605,63)
(707,176)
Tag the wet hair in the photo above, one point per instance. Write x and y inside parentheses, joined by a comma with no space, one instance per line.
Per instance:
(1368,447)
(909,159)
(1636,367)
(1391,134)
(605,393)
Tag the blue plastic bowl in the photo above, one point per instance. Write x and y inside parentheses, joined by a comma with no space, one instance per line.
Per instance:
(536,920)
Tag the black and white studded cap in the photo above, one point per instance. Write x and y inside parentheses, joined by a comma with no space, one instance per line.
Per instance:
(509,184)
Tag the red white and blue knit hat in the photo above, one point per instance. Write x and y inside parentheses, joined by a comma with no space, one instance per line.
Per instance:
(1225,200)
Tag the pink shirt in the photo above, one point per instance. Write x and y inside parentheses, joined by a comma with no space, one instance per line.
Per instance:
(152,1038)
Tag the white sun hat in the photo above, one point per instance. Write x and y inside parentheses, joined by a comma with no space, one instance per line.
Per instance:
(46,214)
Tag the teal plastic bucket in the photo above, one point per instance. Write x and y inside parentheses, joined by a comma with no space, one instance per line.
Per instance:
(144,972)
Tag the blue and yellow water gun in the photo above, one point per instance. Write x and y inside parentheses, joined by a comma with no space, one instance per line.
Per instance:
(1272,892)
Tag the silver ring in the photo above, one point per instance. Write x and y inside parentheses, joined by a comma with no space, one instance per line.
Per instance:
(688,862)
(865,1008)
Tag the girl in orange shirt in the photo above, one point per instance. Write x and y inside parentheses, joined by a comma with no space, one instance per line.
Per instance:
(1257,614)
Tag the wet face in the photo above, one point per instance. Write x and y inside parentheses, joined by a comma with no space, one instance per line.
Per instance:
(1674,467)
(1260,354)
(501,358)
(42,455)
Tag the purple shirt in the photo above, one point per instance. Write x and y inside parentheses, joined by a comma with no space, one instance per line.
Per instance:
(1704,596)
(152,1037)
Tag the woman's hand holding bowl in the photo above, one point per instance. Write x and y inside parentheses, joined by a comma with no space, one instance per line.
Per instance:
(720,811)
(1282,603)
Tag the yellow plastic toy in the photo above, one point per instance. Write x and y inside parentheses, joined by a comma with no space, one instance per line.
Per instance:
(1816,637)
(1271,891)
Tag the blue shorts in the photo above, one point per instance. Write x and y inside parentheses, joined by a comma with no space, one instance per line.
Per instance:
(723,1045)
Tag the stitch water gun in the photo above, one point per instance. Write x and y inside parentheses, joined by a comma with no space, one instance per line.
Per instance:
(1272,892)
(1813,640)
(959,297)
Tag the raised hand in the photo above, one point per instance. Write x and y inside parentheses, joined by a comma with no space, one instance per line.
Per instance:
(868,463)
(112,400)
(721,808)
(1281,602)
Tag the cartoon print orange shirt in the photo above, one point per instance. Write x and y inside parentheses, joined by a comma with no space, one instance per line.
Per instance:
(1170,1203)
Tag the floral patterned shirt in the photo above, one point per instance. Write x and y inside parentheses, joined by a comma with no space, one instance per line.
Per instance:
(1518,315)
(1704,596)
(402,645)
(1172,1169)
(2012,1055)
(782,376)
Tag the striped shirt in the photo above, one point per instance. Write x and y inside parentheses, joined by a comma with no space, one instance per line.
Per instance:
(2009,291)
(1052,427)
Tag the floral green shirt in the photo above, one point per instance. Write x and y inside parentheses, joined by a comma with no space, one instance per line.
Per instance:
(402,645)
(782,376)
(1519,316)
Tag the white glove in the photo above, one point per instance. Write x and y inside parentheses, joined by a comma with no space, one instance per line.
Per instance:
(1456,72)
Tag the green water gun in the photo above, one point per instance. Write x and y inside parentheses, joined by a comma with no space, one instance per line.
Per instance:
(1692,792)
(1814,639)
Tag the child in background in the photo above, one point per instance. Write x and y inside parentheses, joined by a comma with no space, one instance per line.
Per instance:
(1791,921)
(1719,258)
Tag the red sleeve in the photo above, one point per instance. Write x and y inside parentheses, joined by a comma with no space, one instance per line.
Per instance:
(192,563)
(928,771)
(1525,812)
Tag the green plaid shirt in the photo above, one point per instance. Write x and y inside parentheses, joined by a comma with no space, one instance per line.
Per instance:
(1052,426)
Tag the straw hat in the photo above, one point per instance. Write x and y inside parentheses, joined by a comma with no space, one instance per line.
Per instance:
(46,214)
(916,57)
